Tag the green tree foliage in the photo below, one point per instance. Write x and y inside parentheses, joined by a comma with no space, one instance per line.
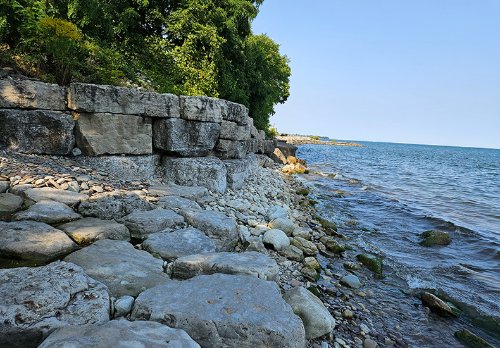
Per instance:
(193,47)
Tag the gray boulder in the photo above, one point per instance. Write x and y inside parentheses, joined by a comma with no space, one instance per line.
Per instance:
(120,333)
(121,100)
(50,212)
(87,230)
(33,195)
(123,269)
(315,316)
(36,131)
(177,203)
(142,223)
(37,300)
(123,306)
(4,186)
(208,172)
(203,109)
(307,247)
(189,192)
(9,203)
(249,263)
(230,149)
(276,212)
(351,281)
(113,205)
(31,240)
(171,245)
(237,113)
(284,224)
(238,171)
(223,310)
(185,138)
(29,94)
(104,133)
(277,238)
(233,131)
(222,229)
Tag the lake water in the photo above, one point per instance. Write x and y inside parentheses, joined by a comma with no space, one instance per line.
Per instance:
(383,195)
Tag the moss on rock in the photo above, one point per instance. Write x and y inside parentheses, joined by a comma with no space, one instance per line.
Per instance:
(373,263)
(434,237)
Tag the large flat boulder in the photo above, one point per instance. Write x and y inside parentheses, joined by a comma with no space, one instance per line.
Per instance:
(50,212)
(37,300)
(31,240)
(177,203)
(36,131)
(113,205)
(29,94)
(142,223)
(205,109)
(120,100)
(120,333)
(33,195)
(249,263)
(223,310)
(221,228)
(105,133)
(87,230)
(189,192)
(123,269)
(185,138)
(171,245)
(208,172)
(9,203)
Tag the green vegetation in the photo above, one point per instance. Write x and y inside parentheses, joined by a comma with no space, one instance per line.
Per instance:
(191,47)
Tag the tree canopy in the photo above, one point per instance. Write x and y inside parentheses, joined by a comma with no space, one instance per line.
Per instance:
(191,47)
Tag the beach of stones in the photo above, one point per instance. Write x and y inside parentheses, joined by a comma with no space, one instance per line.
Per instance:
(87,257)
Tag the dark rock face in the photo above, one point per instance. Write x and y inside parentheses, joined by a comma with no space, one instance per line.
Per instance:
(36,131)
(287,149)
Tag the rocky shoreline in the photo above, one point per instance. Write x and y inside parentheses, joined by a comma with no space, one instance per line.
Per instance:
(308,139)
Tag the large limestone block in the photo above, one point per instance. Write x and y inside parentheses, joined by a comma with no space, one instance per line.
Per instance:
(105,133)
(120,100)
(223,310)
(142,223)
(249,263)
(237,113)
(185,138)
(36,131)
(208,172)
(177,203)
(87,230)
(120,333)
(221,228)
(123,269)
(230,149)
(171,245)
(31,240)
(28,94)
(239,170)
(189,192)
(113,205)
(50,212)
(33,195)
(233,131)
(316,318)
(203,109)
(37,300)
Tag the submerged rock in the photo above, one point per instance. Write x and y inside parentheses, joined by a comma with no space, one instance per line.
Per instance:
(434,237)
(372,262)
(437,305)
(471,340)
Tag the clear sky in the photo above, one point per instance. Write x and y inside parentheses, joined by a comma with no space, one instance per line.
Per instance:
(411,71)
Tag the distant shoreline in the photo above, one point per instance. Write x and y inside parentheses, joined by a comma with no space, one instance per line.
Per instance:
(296,139)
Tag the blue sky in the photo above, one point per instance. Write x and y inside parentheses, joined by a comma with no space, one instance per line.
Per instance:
(411,71)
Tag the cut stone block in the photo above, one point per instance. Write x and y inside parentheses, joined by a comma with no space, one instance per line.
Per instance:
(203,109)
(29,94)
(222,310)
(87,230)
(237,113)
(36,131)
(105,133)
(208,172)
(185,138)
(189,192)
(113,205)
(233,131)
(120,100)
(239,170)
(230,149)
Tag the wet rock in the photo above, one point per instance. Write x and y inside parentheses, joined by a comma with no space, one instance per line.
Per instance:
(351,281)
(471,340)
(276,212)
(311,262)
(248,263)
(315,316)
(286,225)
(373,263)
(36,131)
(142,223)
(310,273)
(33,195)
(332,245)
(277,238)
(171,245)
(105,133)
(9,203)
(223,310)
(113,205)
(123,306)
(434,237)
(222,229)
(436,304)
(37,300)
(292,253)
(87,230)
(307,247)
(123,269)
(189,192)
(31,240)
(177,203)
(120,333)
(50,212)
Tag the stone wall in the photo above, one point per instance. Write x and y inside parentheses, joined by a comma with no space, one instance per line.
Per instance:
(171,134)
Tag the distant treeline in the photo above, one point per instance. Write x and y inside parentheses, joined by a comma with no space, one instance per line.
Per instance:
(189,47)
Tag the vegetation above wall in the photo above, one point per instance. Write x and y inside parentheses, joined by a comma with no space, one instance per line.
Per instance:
(190,47)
